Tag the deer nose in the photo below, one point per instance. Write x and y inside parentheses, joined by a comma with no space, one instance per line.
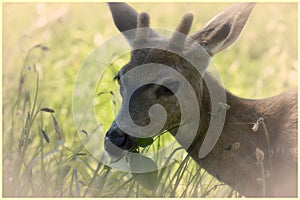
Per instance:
(116,136)
(113,142)
(116,141)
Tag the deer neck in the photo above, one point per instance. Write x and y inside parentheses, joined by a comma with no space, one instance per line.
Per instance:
(234,167)
(239,167)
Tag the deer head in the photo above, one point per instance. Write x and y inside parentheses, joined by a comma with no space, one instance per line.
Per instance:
(187,54)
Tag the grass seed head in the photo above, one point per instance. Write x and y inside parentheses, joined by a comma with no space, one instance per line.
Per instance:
(260,155)
(235,146)
(260,181)
(57,129)
(257,124)
(267,174)
(255,127)
(84,131)
(45,136)
(48,110)
(224,106)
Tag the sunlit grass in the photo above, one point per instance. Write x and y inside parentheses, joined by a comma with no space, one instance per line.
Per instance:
(262,63)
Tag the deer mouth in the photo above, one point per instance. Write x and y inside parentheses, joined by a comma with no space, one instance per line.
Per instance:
(117,142)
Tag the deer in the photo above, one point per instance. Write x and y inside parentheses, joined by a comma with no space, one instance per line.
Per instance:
(243,145)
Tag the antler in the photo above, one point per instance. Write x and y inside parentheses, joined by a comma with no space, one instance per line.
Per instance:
(178,38)
(142,32)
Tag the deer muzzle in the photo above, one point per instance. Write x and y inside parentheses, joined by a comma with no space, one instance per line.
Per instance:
(117,142)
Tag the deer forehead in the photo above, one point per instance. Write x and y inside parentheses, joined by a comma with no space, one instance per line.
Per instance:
(193,59)
(132,75)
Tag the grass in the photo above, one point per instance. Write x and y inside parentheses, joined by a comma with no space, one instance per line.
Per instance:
(44,46)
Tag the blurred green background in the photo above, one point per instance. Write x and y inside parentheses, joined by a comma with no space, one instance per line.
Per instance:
(56,38)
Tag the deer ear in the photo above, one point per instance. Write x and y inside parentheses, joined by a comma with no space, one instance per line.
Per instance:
(224,29)
(125,19)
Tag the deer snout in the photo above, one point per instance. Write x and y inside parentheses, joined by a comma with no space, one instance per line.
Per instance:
(117,142)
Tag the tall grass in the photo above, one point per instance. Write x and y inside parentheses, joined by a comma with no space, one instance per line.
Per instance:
(44,46)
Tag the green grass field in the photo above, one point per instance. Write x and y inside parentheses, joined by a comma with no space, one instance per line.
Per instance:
(45,45)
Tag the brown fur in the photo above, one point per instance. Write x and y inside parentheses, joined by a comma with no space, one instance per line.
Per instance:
(239,168)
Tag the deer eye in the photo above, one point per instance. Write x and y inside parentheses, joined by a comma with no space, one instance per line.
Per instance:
(168,88)
(163,91)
